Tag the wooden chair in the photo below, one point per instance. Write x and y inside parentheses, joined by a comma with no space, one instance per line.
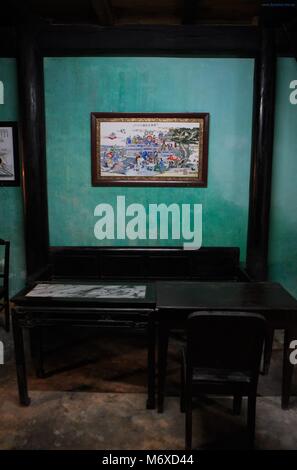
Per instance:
(222,356)
(4,288)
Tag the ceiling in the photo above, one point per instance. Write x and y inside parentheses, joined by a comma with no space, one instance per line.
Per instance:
(120,12)
(147,12)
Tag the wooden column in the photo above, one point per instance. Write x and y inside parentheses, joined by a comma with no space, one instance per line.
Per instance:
(261,161)
(31,95)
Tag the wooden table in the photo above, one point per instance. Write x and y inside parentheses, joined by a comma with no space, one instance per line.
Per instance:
(83,308)
(176,300)
(166,304)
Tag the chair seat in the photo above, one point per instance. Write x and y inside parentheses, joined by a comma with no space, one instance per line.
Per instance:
(220,376)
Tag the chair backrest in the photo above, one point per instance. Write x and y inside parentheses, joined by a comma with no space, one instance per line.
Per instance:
(4,262)
(225,340)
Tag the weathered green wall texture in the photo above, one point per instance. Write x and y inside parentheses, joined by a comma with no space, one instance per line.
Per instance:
(74,87)
(11,206)
(283,228)
(223,87)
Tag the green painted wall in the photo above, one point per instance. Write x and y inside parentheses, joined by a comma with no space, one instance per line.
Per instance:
(74,87)
(283,233)
(77,86)
(11,206)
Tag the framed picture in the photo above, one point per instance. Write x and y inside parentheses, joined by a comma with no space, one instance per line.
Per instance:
(9,155)
(149,149)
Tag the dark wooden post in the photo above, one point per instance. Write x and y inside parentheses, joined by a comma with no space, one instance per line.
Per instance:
(31,95)
(262,150)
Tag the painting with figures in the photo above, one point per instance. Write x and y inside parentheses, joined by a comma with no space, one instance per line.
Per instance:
(149,149)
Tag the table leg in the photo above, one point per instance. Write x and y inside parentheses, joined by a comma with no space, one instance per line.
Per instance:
(163,335)
(20,360)
(151,363)
(7,314)
(288,368)
(267,350)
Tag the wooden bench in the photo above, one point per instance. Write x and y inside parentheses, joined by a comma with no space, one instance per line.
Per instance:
(208,263)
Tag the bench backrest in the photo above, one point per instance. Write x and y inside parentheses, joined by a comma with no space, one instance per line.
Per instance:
(213,263)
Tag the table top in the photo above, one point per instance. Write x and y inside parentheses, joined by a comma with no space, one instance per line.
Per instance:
(120,294)
(165,295)
(248,296)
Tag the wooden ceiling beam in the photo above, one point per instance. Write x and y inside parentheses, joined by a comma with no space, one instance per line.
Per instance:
(8,41)
(290,30)
(230,41)
(104,12)
(189,11)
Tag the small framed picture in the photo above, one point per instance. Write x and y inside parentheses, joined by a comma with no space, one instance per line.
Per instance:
(149,149)
(9,154)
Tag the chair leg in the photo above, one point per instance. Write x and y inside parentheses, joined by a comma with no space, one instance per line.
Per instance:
(188,440)
(267,350)
(163,336)
(251,420)
(182,387)
(237,401)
